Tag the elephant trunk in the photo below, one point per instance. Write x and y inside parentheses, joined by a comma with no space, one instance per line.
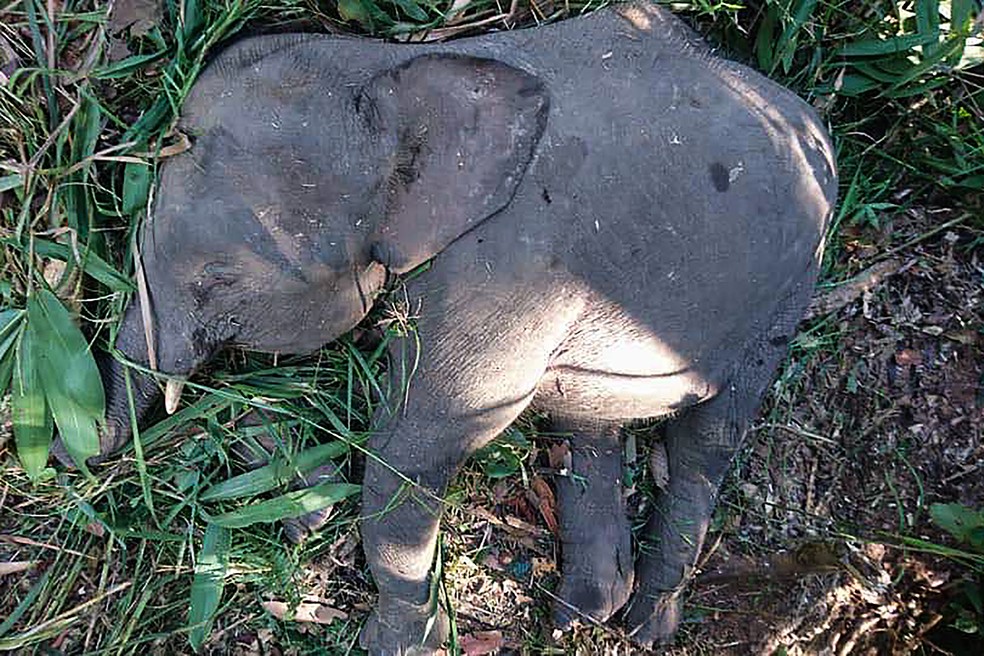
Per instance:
(146,390)
(175,355)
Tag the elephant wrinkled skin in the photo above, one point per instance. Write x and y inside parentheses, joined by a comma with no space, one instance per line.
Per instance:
(620,226)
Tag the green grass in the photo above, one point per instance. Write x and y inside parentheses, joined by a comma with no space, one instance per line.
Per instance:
(126,560)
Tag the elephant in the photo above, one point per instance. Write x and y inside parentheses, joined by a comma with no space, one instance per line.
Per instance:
(602,219)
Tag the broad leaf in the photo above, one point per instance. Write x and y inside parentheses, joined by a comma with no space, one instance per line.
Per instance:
(136,187)
(68,374)
(963,523)
(31,419)
(275,474)
(91,263)
(292,504)
(211,568)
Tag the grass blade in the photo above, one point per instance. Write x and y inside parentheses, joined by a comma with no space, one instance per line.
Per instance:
(10,325)
(12,181)
(292,504)
(24,604)
(277,473)
(211,567)
(138,448)
(33,430)
(125,67)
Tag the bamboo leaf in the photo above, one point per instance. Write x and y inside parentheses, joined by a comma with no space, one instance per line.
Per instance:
(928,23)
(33,430)
(764,40)
(10,324)
(68,374)
(192,18)
(136,187)
(292,504)
(412,9)
(91,263)
(277,473)
(871,47)
(786,46)
(211,568)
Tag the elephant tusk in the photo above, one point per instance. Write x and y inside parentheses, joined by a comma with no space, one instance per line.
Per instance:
(172,394)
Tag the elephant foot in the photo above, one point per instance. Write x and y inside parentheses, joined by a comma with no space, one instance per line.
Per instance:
(401,628)
(299,529)
(595,589)
(653,619)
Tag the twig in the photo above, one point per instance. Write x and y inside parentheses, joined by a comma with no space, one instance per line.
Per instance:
(926,235)
(16,539)
(144,295)
(842,295)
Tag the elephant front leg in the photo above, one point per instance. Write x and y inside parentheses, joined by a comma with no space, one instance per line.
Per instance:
(401,512)
(408,470)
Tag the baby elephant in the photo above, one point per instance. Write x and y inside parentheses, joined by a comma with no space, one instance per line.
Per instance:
(619,226)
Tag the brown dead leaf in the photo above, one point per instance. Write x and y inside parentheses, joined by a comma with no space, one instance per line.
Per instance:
(521,506)
(907,357)
(96,529)
(305,612)
(659,465)
(543,566)
(559,457)
(139,15)
(546,503)
(15,566)
(481,642)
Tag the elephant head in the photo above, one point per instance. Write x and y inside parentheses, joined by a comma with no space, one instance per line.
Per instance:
(305,184)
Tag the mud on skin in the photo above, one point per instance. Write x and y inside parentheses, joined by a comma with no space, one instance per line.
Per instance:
(621,226)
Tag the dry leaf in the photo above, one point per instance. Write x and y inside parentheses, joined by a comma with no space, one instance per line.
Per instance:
(908,357)
(96,529)
(543,566)
(481,642)
(139,15)
(559,457)
(968,337)
(546,503)
(659,465)
(860,285)
(15,566)
(305,612)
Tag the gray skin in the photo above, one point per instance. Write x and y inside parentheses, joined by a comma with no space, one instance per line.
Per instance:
(620,226)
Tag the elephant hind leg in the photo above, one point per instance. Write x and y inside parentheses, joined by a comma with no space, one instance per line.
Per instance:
(595,533)
(700,445)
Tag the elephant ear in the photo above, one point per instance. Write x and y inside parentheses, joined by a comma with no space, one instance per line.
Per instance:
(463,130)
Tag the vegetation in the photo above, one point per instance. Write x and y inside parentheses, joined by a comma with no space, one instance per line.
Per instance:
(173,544)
